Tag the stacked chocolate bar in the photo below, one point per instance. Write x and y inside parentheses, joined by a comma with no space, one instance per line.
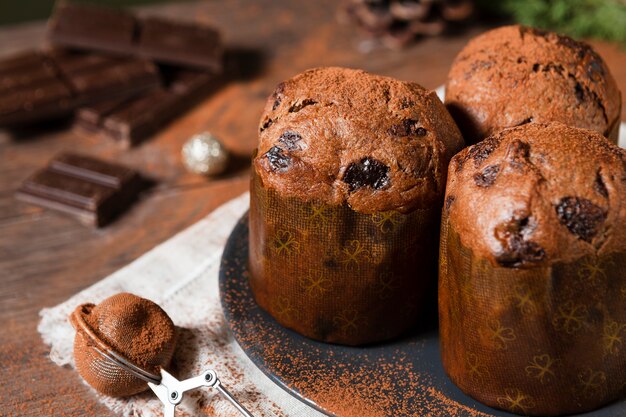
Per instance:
(44,85)
(122,76)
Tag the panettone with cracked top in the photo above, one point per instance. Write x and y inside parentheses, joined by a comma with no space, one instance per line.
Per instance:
(347,188)
(345,136)
(532,282)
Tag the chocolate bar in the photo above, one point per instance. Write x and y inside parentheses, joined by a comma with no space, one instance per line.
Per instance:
(92,190)
(131,120)
(161,40)
(39,85)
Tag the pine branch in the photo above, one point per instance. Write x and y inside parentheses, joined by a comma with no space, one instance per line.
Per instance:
(602,19)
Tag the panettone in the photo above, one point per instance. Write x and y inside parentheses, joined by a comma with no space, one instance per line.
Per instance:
(514,75)
(532,286)
(347,187)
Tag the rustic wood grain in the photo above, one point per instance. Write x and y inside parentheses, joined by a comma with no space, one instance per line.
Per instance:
(46,257)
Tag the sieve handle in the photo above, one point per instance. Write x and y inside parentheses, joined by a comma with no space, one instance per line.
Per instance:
(162,392)
(170,391)
(233,401)
(210,379)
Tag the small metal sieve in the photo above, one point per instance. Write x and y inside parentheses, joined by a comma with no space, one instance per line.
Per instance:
(111,373)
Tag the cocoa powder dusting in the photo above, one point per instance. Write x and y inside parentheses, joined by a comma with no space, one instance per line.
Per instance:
(400,378)
(213,337)
(388,387)
(133,327)
(47,396)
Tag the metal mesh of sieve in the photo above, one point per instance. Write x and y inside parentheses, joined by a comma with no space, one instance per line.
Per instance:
(122,333)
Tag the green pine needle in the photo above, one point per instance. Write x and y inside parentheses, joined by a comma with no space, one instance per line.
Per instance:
(603,19)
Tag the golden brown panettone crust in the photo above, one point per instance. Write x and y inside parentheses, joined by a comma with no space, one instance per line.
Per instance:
(346,195)
(532,270)
(514,75)
(340,135)
(539,194)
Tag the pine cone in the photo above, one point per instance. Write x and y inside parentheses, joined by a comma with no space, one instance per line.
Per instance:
(398,22)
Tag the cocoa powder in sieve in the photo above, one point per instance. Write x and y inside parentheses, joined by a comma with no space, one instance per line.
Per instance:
(131,326)
(135,327)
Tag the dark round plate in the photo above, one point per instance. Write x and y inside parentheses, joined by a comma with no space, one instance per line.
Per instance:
(400,378)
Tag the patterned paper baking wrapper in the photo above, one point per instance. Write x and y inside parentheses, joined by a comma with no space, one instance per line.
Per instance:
(542,341)
(336,275)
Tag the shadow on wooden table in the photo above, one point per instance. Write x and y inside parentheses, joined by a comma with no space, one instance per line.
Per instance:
(243,63)
(31,131)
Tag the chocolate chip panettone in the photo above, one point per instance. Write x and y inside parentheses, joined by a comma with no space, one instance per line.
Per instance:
(514,75)
(532,287)
(346,192)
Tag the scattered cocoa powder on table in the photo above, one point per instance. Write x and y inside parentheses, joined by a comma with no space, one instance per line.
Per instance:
(53,399)
(386,387)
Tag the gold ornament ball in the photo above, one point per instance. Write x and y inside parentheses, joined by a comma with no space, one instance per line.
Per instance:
(203,154)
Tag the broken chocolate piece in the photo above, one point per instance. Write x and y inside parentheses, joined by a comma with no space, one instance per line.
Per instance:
(161,40)
(180,43)
(580,216)
(43,85)
(368,172)
(129,121)
(92,190)
(23,70)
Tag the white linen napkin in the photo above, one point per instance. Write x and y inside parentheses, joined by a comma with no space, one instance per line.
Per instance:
(181,275)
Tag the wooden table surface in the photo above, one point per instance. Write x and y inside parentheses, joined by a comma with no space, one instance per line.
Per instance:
(46,257)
